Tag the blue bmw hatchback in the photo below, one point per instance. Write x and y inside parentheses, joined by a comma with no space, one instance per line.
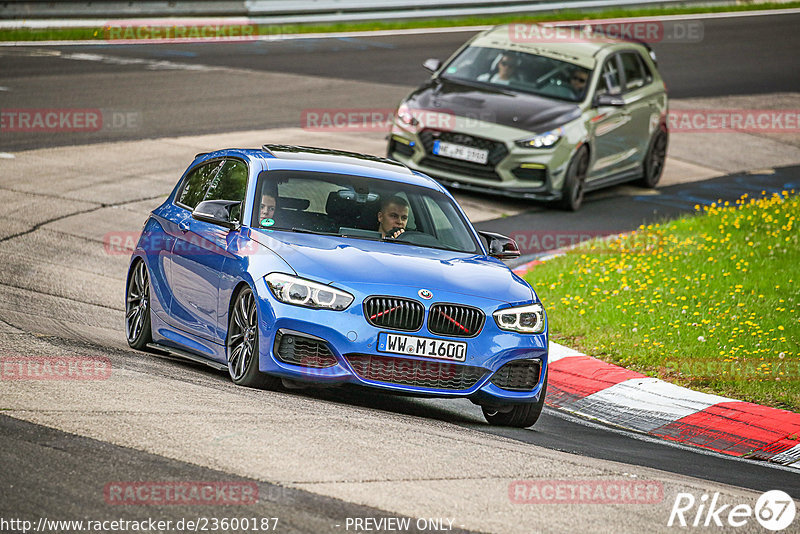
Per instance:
(320,267)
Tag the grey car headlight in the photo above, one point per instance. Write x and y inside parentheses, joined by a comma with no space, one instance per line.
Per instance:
(301,292)
(528,319)
(406,119)
(545,140)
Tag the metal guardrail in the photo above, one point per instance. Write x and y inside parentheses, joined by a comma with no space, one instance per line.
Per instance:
(74,13)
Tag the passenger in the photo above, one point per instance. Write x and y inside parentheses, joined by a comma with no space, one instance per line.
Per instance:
(266,212)
(393,217)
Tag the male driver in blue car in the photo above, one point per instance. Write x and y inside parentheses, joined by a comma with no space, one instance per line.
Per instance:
(393,217)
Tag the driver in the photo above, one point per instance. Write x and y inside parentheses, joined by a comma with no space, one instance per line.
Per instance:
(577,81)
(507,68)
(393,217)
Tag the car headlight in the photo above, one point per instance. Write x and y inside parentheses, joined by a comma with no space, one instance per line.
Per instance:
(528,319)
(407,119)
(300,292)
(545,140)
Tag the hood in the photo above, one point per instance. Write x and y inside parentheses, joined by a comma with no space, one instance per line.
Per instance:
(350,262)
(524,111)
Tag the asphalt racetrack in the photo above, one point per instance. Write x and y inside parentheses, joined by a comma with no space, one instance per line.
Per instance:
(318,458)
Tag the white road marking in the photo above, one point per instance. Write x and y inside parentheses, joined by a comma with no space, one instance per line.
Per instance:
(151,64)
(645,404)
(557,352)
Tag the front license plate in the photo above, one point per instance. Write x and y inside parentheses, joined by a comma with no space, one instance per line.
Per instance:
(466,153)
(422,346)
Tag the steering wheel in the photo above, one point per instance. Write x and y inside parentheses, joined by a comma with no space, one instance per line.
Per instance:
(417,238)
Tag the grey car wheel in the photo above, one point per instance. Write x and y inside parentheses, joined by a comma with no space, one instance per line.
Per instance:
(242,342)
(575,181)
(654,160)
(137,307)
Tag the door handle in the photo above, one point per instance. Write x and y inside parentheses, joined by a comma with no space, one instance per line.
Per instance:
(184,226)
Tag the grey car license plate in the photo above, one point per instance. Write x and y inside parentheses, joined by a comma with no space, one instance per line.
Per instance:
(462,152)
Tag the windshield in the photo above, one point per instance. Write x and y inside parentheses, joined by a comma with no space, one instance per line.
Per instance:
(360,208)
(520,71)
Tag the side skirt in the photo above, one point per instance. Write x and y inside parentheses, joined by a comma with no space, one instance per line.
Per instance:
(188,356)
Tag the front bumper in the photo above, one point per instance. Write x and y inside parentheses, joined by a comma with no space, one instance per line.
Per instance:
(350,354)
(511,170)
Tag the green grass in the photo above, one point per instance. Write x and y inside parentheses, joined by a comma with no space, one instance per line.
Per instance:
(709,301)
(99,34)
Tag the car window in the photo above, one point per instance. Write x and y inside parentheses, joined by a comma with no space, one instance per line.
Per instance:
(609,78)
(520,71)
(196,184)
(230,183)
(634,72)
(314,193)
(348,205)
(442,215)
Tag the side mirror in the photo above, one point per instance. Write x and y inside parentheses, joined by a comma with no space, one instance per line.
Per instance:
(606,99)
(432,64)
(500,246)
(220,212)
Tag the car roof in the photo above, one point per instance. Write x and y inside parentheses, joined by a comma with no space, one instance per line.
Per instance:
(317,159)
(526,38)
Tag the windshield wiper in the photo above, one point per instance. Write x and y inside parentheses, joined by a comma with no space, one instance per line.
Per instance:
(315,232)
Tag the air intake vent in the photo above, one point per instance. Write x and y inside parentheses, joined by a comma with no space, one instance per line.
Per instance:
(518,375)
(419,373)
(301,350)
(455,320)
(394,312)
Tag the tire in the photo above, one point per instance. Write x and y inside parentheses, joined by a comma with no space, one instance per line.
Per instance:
(137,307)
(575,181)
(243,340)
(654,160)
(520,415)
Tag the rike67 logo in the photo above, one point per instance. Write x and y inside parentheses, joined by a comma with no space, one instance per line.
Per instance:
(774,510)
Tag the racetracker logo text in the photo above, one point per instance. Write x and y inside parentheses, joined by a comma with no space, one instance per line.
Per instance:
(734,120)
(52,120)
(179,31)
(587,241)
(639,30)
(180,493)
(54,368)
(382,119)
(586,491)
